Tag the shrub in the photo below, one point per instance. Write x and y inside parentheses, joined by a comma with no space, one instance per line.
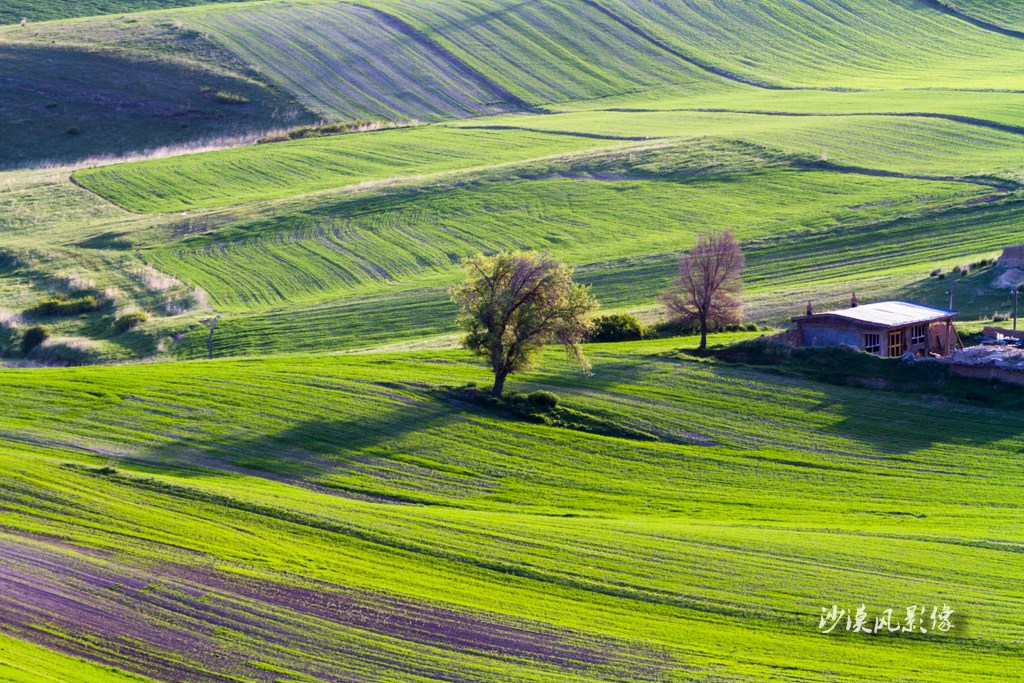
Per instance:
(33,338)
(543,399)
(617,328)
(129,321)
(58,306)
(935,273)
(8,259)
(230,98)
(673,328)
(1000,317)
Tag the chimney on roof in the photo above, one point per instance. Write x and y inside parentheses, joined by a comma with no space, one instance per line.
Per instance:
(853,300)
(810,308)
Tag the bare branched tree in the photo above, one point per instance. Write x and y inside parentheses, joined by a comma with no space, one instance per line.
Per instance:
(706,293)
(512,304)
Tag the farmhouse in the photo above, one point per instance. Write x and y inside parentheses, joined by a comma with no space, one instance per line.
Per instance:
(886,328)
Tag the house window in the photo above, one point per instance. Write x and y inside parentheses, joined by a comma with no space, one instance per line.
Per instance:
(918,334)
(896,344)
(873,343)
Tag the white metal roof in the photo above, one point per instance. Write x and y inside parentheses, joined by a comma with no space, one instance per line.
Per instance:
(893,313)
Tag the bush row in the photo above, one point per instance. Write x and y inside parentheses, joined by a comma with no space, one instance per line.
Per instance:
(625,327)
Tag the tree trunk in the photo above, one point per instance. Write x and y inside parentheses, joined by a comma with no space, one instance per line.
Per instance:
(703,334)
(499,384)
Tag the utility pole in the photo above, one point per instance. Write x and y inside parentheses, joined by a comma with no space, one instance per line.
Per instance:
(1016,290)
(212,323)
(950,292)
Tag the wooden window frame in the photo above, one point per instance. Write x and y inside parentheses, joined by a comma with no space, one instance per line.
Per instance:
(877,346)
(919,334)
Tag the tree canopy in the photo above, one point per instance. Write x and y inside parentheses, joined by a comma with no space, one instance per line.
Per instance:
(513,304)
(706,292)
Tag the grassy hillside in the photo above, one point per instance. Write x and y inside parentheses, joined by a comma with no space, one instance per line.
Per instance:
(899,144)
(878,259)
(550,51)
(13,11)
(296,62)
(1008,15)
(997,110)
(351,62)
(393,531)
(819,43)
(68,102)
(360,268)
(301,167)
(909,145)
(372,243)
(274,516)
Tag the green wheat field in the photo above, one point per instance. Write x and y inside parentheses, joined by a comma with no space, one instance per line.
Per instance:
(318,503)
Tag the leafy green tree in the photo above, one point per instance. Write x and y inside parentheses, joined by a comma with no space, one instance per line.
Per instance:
(513,304)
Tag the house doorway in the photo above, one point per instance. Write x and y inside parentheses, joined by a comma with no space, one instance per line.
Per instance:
(895,344)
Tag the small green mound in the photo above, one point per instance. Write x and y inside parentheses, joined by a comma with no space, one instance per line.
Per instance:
(129,321)
(542,407)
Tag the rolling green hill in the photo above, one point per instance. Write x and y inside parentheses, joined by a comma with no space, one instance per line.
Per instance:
(368,244)
(13,11)
(125,105)
(900,144)
(75,91)
(909,145)
(993,13)
(351,62)
(293,168)
(392,530)
(366,265)
(435,60)
(820,43)
(551,51)
(329,500)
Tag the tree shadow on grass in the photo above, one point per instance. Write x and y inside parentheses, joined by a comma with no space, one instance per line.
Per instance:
(892,419)
(309,448)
